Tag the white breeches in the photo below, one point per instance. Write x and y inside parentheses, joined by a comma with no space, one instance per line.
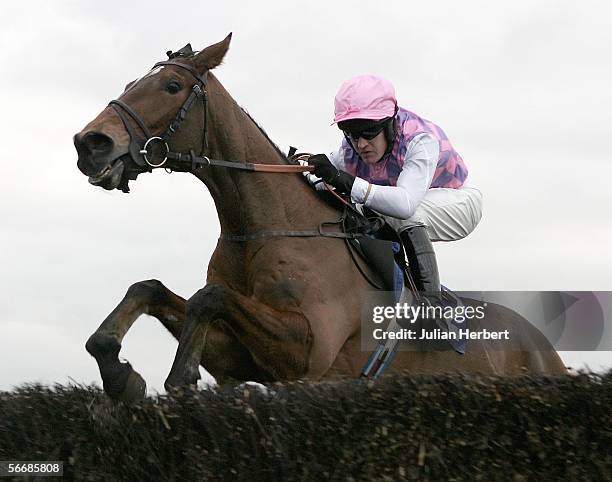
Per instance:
(448,214)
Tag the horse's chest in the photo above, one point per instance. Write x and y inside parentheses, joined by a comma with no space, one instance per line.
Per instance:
(275,273)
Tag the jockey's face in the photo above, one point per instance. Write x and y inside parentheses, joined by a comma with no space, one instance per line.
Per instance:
(371,151)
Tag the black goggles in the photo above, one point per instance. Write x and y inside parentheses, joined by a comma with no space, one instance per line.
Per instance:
(367,133)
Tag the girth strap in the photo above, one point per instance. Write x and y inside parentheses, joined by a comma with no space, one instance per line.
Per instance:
(320,232)
(272,233)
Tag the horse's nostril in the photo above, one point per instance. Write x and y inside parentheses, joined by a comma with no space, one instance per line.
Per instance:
(97,143)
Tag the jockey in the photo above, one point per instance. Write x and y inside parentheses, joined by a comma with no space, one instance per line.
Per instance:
(404,168)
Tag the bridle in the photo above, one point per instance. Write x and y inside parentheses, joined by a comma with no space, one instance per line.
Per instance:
(179,161)
(188,162)
(140,152)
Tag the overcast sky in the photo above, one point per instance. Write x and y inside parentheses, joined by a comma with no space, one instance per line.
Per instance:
(521,88)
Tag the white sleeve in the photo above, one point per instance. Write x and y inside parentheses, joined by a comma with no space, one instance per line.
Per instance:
(337,159)
(401,201)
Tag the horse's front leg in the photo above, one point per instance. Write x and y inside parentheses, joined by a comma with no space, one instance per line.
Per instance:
(150,297)
(278,343)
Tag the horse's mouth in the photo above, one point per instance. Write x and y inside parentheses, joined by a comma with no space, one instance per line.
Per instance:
(110,177)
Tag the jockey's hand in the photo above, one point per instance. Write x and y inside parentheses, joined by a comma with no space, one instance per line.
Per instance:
(324,169)
(310,177)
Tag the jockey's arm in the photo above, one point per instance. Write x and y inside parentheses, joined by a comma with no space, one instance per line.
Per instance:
(399,201)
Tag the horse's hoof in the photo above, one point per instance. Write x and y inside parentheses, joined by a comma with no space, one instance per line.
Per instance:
(122,383)
(188,380)
(135,388)
(172,384)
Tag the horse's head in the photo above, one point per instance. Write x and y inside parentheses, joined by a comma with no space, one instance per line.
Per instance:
(134,133)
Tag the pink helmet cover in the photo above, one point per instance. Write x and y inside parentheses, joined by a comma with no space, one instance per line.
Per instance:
(365,97)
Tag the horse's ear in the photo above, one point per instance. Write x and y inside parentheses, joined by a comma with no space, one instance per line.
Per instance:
(212,56)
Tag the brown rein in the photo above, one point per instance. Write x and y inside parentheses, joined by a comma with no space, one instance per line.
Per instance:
(190,161)
(314,233)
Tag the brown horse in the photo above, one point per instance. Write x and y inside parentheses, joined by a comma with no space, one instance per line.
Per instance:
(274,307)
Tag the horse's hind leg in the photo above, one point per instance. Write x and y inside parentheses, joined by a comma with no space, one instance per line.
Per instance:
(150,297)
(278,342)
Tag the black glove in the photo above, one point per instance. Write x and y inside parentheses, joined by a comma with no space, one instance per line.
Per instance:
(324,169)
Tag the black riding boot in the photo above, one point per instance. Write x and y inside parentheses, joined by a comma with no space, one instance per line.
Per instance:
(422,262)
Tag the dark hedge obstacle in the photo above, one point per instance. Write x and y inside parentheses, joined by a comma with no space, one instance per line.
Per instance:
(452,427)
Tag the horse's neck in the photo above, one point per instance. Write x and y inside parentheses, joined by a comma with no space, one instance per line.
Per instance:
(252,201)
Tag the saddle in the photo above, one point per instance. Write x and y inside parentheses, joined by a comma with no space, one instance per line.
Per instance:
(381,249)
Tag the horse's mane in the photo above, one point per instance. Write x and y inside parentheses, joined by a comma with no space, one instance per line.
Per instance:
(282,155)
(188,53)
(323,195)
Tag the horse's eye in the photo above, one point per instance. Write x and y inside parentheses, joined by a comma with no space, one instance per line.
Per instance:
(173,87)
